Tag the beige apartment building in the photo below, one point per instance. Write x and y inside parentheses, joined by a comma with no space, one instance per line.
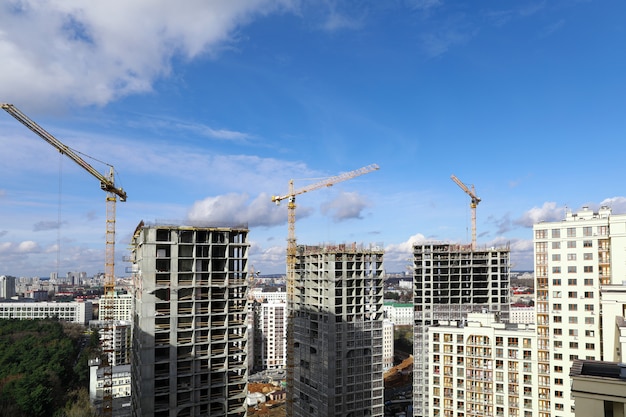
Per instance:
(576,260)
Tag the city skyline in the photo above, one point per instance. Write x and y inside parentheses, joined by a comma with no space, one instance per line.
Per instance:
(206,111)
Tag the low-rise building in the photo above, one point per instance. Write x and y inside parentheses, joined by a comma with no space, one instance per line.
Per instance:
(74,311)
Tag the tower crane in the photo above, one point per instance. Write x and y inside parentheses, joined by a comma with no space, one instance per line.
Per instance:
(473,204)
(107,184)
(291,257)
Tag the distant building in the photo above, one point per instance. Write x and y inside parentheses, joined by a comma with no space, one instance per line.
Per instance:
(7,287)
(75,312)
(522,315)
(401,314)
(121,387)
(388,348)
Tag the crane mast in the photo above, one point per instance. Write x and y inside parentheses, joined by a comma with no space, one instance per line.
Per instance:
(107,184)
(291,258)
(473,204)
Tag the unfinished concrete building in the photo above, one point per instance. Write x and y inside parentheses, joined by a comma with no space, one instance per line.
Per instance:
(338,331)
(450,281)
(189,336)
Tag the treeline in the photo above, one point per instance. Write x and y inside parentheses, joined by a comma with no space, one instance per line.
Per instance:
(41,371)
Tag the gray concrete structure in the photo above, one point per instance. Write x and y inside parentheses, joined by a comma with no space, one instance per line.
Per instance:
(450,281)
(338,331)
(190,332)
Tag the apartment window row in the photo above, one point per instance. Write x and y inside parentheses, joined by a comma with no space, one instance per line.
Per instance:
(571,232)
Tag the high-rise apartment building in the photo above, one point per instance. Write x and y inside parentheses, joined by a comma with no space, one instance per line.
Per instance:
(450,281)
(189,333)
(338,332)
(482,367)
(271,323)
(574,259)
(7,286)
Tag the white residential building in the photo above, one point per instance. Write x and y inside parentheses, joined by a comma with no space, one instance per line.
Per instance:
(388,349)
(7,286)
(575,260)
(74,311)
(401,314)
(482,367)
(522,315)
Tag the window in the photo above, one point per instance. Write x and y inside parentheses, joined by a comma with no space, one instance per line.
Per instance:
(573,307)
(588,256)
(590,346)
(556,294)
(541,247)
(558,381)
(572,294)
(558,332)
(556,281)
(587,231)
(558,356)
(573,332)
(588,294)
(571,256)
(558,368)
(556,257)
(603,230)
(541,234)
(573,357)
(556,269)
(588,281)
(587,244)
(589,333)
(588,307)
(571,232)
(573,320)
(558,344)
(556,245)
(573,345)
(588,268)
(572,281)
(557,319)
(589,320)
(571,244)
(571,269)
(556,307)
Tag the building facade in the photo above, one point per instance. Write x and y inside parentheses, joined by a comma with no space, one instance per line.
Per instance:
(7,286)
(190,331)
(338,332)
(73,311)
(574,259)
(482,367)
(450,281)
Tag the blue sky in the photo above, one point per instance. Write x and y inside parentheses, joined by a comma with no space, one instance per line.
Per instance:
(207,108)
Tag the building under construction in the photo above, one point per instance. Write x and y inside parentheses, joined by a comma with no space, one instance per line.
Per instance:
(338,331)
(450,281)
(189,336)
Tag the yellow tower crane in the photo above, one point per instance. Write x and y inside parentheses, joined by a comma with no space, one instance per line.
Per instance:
(291,258)
(107,183)
(473,204)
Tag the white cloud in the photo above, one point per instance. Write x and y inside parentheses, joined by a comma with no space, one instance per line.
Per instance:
(28,246)
(547,213)
(617,204)
(347,205)
(231,209)
(93,52)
